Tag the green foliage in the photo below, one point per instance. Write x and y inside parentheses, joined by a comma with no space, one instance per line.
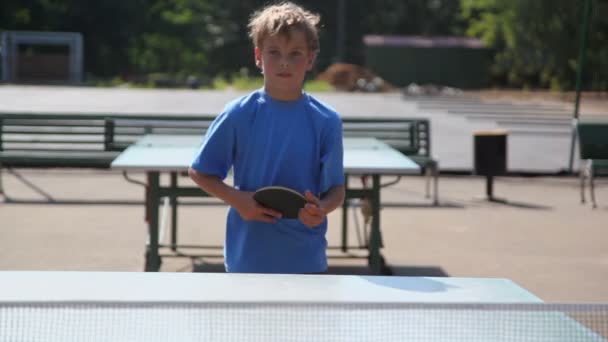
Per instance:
(318,86)
(247,83)
(537,41)
(240,82)
(414,17)
(177,36)
(220,83)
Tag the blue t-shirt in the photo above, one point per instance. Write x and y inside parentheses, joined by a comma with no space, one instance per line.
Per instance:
(296,144)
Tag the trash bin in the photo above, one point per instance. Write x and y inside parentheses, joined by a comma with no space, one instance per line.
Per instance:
(490,153)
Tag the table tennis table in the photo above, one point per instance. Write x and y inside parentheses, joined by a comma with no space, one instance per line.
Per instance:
(138,306)
(155,154)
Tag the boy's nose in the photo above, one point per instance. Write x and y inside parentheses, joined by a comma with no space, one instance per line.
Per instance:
(283,62)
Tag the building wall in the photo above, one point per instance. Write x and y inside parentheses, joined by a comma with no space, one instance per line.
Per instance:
(458,67)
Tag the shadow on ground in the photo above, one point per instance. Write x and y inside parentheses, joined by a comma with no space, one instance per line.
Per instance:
(201,266)
(503,202)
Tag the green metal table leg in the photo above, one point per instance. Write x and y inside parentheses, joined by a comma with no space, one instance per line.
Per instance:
(376,261)
(152,257)
(173,211)
(345,218)
(374,241)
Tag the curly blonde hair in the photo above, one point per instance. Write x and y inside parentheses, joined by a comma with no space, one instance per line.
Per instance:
(282,19)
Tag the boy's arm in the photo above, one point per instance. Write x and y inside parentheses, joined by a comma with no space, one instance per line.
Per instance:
(242,201)
(333,199)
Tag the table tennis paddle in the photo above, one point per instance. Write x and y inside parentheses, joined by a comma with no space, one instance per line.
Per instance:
(284,200)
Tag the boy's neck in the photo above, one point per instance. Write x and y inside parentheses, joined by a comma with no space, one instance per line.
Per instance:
(282,94)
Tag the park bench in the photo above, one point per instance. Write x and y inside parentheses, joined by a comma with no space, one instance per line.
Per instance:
(593,147)
(94,140)
(125,130)
(57,140)
(36,140)
(33,140)
(412,137)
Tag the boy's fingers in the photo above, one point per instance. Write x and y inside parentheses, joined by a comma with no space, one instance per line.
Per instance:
(266,218)
(310,221)
(312,198)
(313,210)
(272,213)
(313,207)
(304,217)
(269,212)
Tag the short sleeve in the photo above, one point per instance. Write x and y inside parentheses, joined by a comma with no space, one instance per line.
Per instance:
(332,155)
(216,153)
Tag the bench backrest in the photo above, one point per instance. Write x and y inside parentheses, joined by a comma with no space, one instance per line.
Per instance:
(124,131)
(116,132)
(593,140)
(409,136)
(44,132)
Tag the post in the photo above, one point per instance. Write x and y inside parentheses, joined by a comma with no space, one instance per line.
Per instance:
(490,187)
(109,134)
(4,57)
(579,77)
(490,157)
(341,23)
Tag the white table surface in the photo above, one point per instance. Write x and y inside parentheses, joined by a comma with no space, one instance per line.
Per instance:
(171,153)
(223,287)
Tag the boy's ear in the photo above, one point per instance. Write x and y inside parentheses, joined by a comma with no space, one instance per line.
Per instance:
(258,57)
(312,57)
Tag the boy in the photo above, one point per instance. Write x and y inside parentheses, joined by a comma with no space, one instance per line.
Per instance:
(281,136)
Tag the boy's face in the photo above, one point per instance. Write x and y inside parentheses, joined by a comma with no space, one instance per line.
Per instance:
(284,61)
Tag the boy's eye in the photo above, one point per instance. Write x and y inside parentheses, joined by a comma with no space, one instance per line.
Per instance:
(273,52)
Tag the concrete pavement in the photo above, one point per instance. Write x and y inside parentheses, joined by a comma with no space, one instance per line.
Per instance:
(542,237)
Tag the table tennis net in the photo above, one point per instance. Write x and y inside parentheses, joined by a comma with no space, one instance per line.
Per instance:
(123,321)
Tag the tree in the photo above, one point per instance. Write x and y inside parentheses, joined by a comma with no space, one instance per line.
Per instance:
(537,41)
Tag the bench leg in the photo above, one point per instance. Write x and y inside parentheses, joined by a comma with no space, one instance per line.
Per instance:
(431,170)
(436,185)
(428,172)
(592,183)
(582,171)
(1,188)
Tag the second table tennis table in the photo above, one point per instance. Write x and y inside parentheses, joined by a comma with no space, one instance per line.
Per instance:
(158,154)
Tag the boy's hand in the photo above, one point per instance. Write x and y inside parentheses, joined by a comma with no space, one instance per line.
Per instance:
(312,214)
(251,210)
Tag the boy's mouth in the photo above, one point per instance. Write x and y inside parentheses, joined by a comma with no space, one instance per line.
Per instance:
(284,74)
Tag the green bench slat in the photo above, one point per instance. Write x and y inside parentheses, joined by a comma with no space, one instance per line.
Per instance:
(22,158)
(53,123)
(54,132)
(50,141)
